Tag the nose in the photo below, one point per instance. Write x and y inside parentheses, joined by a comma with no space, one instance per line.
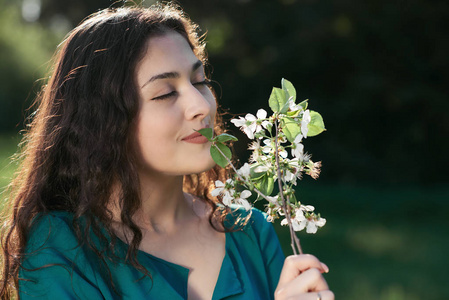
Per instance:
(199,103)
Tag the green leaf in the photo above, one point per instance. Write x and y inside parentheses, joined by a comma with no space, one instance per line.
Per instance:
(265,184)
(290,128)
(207,132)
(277,99)
(285,108)
(316,125)
(293,114)
(270,185)
(289,89)
(224,137)
(218,158)
(256,175)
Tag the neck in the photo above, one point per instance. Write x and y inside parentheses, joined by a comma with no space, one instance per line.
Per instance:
(164,205)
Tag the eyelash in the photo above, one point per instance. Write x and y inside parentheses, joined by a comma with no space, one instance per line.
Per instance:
(174,93)
(205,82)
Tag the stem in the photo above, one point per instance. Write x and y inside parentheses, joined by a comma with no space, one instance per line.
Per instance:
(294,239)
(293,236)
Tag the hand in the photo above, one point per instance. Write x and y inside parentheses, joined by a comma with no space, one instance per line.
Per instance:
(301,279)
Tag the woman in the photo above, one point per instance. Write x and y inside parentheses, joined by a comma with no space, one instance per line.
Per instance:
(112,200)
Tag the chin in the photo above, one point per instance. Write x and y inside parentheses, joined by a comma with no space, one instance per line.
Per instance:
(207,168)
(203,167)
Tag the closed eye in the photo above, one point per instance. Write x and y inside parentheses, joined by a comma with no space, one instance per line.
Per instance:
(165,96)
(204,82)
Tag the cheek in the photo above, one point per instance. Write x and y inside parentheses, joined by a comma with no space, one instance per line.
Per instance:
(213,105)
(155,150)
(150,134)
(158,132)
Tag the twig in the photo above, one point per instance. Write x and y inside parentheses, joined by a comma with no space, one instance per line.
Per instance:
(293,236)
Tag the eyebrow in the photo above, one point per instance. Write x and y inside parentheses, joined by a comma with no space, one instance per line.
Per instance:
(168,75)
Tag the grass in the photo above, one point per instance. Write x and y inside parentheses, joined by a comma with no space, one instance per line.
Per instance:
(380,243)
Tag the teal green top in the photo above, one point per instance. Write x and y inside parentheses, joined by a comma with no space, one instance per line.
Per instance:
(250,267)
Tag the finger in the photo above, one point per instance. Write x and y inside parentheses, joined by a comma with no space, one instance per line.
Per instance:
(295,264)
(310,280)
(325,268)
(324,295)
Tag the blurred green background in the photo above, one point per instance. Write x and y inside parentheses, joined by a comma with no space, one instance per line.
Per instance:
(376,70)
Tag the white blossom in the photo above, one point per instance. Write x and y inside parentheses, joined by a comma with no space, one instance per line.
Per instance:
(300,221)
(263,168)
(246,125)
(293,106)
(297,224)
(242,199)
(297,147)
(273,200)
(305,123)
(290,177)
(244,171)
(250,125)
(307,208)
(295,169)
(262,115)
(269,149)
(225,190)
(312,225)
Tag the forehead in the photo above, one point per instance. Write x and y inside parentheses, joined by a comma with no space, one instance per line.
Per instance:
(167,38)
(167,50)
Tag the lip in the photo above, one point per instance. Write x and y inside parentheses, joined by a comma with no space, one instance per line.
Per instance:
(196,138)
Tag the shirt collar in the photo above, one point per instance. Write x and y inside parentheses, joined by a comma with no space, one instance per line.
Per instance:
(228,283)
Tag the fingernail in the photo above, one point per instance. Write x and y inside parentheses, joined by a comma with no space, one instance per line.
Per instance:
(325,268)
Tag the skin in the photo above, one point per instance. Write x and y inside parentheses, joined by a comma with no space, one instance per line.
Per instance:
(175,101)
(301,278)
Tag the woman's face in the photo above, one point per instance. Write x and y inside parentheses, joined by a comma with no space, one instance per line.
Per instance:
(175,101)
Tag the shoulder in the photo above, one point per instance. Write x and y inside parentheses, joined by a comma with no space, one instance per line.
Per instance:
(55,265)
(45,220)
(51,229)
(52,244)
(51,240)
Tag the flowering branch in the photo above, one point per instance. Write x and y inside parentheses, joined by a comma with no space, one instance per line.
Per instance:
(293,236)
(270,162)
(239,176)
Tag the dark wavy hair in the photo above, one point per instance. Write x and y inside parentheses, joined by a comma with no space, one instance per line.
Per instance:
(81,139)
